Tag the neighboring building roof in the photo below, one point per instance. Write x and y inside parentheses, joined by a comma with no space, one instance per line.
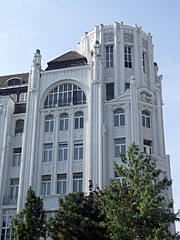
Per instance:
(69,59)
(4,79)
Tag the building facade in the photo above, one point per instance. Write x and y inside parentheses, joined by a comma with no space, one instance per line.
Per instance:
(62,126)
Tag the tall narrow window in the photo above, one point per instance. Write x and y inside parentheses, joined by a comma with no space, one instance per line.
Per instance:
(78,151)
(79,120)
(147,146)
(14,188)
(19,127)
(120,147)
(77,181)
(109,56)
(7,216)
(63,122)
(61,183)
(48,152)
(144,62)
(128,57)
(63,151)
(145,119)
(109,91)
(49,123)
(46,185)
(16,157)
(119,118)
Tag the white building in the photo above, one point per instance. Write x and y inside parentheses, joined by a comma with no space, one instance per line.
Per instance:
(79,113)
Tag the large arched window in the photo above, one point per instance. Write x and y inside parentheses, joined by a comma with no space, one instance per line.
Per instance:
(49,123)
(146,119)
(119,118)
(19,127)
(79,120)
(65,95)
(14,81)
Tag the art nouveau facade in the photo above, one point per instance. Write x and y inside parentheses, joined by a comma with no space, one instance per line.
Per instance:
(79,113)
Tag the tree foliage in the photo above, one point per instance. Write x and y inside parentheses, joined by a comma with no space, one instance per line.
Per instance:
(78,218)
(29,224)
(138,208)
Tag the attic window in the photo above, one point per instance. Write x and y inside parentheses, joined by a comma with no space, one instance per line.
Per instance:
(14,81)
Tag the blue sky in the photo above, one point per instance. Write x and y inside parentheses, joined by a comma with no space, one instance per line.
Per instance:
(55,27)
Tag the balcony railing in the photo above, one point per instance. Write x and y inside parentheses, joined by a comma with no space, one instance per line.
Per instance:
(10,200)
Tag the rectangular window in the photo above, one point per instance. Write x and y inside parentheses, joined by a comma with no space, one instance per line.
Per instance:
(77,181)
(61,183)
(109,91)
(48,152)
(46,185)
(7,216)
(14,188)
(120,147)
(78,151)
(16,157)
(122,180)
(147,146)
(109,56)
(128,57)
(63,151)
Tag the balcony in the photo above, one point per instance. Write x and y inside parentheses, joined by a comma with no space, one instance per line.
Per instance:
(10,200)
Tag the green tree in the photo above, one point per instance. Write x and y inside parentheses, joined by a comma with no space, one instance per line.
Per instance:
(78,218)
(137,209)
(30,223)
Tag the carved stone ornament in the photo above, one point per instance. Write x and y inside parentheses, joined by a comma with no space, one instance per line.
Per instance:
(128,37)
(146,97)
(144,43)
(108,37)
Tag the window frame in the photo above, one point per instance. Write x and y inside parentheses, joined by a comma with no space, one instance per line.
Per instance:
(119,117)
(62,183)
(146,119)
(48,153)
(49,123)
(7,215)
(14,188)
(77,179)
(78,148)
(79,120)
(120,144)
(63,122)
(19,127)
(16,157)
(46,185)
(128,57)
(147,146)
(63,151)
(109,59)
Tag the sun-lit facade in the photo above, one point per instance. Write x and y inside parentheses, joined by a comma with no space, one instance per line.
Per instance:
(62,126)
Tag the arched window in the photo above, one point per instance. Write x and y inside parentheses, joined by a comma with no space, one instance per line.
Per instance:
(119,118)
(49,123)
(19,127)
(79,120)
(14,81)
(65,95)
(146,119)
(63,122)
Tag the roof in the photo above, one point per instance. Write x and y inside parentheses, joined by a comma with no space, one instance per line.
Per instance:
(23,76)
(69,59)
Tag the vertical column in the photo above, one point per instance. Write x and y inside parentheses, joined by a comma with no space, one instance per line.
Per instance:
(134,112)
(128,124)
(136,59)
(121,60)
(70,147)
(116,62)
(55,154)
(151,63)
(154,131)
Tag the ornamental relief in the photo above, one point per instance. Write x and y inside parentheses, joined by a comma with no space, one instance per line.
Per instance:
(77,166)
(144,43)
(62,167)
(48,137)
(147,134)
(62,136)
(17,142)
(128,37)
(78,134)
(119,132)
(109,37)
(46,168)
